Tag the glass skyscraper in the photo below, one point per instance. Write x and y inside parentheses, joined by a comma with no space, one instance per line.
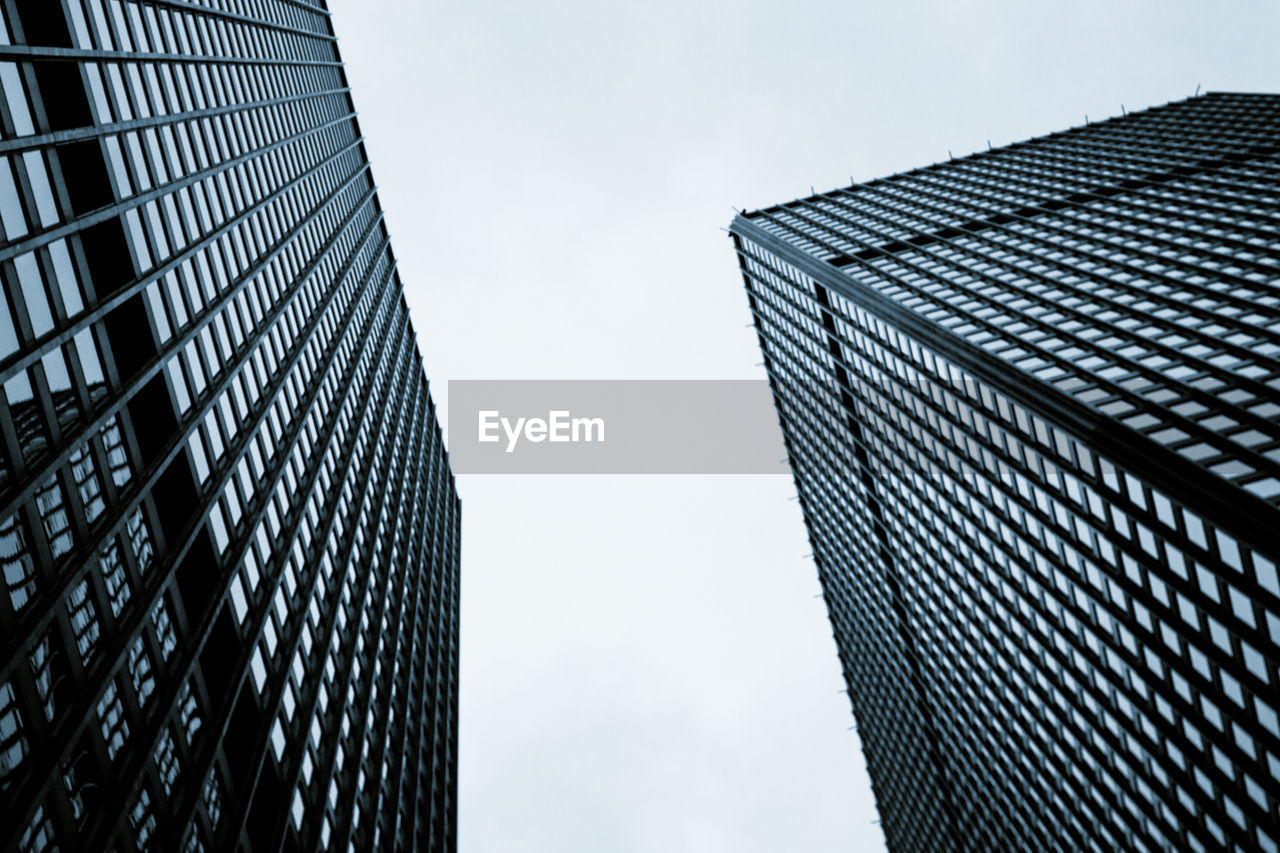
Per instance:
(1031,399)
(228,527)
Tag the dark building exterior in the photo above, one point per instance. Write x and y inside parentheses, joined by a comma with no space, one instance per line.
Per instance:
(1032,405)
(228,528)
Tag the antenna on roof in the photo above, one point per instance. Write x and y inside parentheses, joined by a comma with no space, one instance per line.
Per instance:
(1197,94)
(1123,111)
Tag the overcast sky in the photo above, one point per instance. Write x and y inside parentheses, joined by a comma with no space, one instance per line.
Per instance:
(644,664)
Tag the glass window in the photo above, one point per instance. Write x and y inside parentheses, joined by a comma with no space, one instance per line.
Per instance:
(16,562)
(115,728)
(164,630)
(8,332)
(212,797)
(189,713)
(11,212)
(33,293)
(166,758)
(38,176)
(140,540)
(113,576)
(64,272)
(38,836)
(84,619)
(13,744)
(51,504)
(144,683)
(142,820)
(41,661)
(90,365)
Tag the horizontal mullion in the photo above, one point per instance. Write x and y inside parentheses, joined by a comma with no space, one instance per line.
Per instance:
(96,131)
(1119,200)
(1079,251)
(26,53)
(936,188)
(1027,174)
(1174,354)
(1027,177)
(1142,154)
(261,23)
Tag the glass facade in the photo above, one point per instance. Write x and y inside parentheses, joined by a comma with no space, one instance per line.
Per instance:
(228,528)
(1031,399)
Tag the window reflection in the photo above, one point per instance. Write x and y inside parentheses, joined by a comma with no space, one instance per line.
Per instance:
(58,378)
(33,293)
(42,670)
(28,422)
(13,743)
(15,559)
(113,576)
(51,505)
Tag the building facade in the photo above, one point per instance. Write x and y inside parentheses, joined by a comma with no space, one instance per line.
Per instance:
(228,527)
(1031,399)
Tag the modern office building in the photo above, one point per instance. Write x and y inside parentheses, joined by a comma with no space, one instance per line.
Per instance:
(228,528)
(1032,405)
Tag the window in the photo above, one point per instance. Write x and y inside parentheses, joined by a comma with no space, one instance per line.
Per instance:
(164,630)
(38,836)
(113,576)
(16,562)
(115,728)
(13,744)
(142,820)
(189,713)
(144,683)
(84,619)
(166,759)
(41,660)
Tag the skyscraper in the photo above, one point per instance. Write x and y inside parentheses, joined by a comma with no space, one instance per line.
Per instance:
(228,528)
(1031,399)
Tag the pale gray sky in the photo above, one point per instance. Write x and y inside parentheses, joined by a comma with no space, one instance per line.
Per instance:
(644,664)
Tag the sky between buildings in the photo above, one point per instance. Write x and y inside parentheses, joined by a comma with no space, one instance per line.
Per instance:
(644,665)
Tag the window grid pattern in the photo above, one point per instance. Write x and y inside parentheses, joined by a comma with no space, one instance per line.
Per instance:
(202,345)
(1122,295)
(1043,647)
